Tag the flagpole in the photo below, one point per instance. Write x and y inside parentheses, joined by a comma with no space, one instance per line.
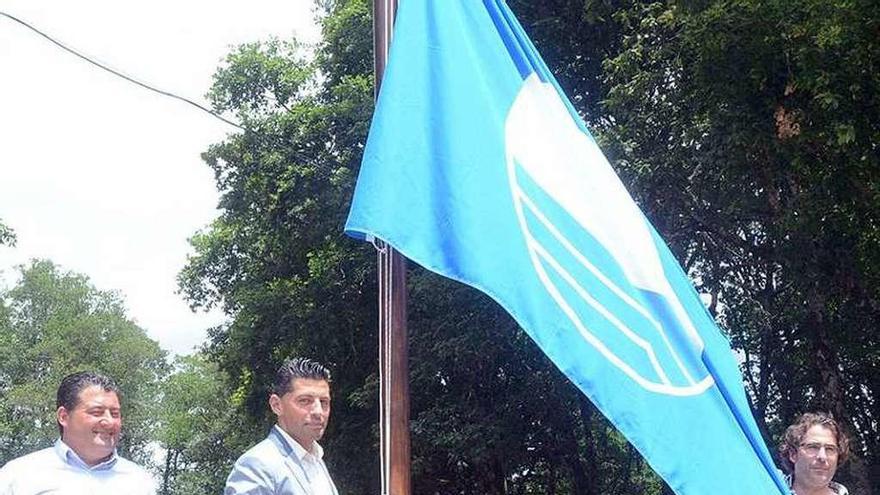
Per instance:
(393,344)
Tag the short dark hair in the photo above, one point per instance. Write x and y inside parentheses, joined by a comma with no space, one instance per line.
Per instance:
(298,367)
(794,435)
(71,386)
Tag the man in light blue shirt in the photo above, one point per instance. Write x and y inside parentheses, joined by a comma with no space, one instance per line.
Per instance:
(84,460)
(290,460)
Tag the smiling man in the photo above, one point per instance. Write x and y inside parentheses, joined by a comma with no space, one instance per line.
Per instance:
(811,451)
(84,460)
(290,460)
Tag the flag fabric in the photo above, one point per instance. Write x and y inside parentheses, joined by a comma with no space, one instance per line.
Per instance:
(478,168)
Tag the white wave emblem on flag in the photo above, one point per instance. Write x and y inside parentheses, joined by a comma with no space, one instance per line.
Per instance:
(543,141)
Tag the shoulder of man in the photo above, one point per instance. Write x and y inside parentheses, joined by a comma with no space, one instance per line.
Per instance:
(18,469)
(259,466)
(37,456)
(266,453)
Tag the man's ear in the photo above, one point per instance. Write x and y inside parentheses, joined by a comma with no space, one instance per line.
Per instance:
(792,456)
(63,416)
(275,404)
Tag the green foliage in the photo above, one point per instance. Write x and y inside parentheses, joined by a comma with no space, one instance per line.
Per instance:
(53,323)
(259,78)
(491,414)
(199,428)
(7,235)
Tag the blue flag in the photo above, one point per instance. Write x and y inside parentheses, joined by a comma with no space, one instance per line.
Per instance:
(478,168)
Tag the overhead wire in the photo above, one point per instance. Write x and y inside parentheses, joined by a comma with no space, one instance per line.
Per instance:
(137,82)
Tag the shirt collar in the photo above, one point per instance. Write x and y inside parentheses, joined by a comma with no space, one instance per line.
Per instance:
(838,488)
(298,449)
(72,458)
(834,486)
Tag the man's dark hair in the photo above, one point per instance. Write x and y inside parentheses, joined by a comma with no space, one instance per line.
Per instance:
(73,384)
(794,435)
(295,368)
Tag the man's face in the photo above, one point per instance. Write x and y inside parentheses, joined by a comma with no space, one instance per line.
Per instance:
(815,461)
(304,410)
(92,427)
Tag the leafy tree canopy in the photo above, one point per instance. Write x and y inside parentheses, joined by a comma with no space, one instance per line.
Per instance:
(199,428)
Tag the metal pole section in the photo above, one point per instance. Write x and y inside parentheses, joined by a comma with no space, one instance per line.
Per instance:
(393,345)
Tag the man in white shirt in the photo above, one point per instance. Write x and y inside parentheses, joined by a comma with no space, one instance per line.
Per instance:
(811,451)
(84,460)
(290,460)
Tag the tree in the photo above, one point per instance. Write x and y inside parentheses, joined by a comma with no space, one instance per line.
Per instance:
(199,428)
(53,323)
(492,414)
(7,236)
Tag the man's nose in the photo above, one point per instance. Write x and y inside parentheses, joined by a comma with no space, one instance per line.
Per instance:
(106,418)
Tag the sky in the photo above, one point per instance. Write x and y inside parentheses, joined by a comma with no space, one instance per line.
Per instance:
(105,178)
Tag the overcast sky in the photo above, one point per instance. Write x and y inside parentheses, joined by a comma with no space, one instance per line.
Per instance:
(102,177)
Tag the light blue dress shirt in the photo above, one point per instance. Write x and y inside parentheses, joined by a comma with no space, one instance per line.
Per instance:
(58,470)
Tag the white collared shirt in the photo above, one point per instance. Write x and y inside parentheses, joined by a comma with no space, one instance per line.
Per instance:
(312,464)
(59,470)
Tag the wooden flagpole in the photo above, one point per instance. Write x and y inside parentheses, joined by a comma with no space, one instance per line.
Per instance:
(393,344)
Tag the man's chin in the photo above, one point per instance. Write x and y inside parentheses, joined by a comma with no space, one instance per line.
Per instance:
(820,477)
(106,441)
